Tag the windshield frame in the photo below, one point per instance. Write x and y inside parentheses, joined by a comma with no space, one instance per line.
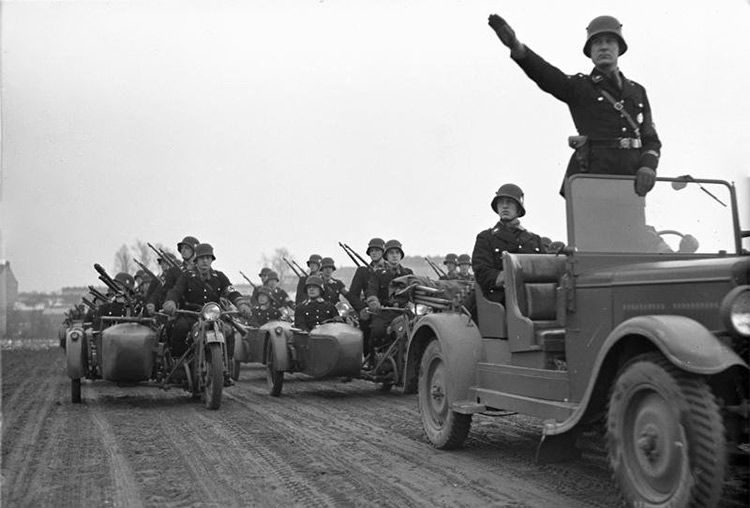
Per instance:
(570,221)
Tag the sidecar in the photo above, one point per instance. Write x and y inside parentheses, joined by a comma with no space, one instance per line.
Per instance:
(328,350)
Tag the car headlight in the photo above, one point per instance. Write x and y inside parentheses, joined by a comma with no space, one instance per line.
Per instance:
(343,308)
(211,311)
(735,311)
(419,309)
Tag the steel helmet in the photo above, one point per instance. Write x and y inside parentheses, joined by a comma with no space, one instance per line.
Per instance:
(264,271)
(190,241)
(394,244)
(375,243)
(314,258)
(327,262)
(450,258)
(143,275)
(603,25)
(314,280)
(272,275)
(204,249)
(125,279)
(512,191)
(464,259)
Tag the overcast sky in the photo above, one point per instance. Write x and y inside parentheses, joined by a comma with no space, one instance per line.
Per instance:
(299,123)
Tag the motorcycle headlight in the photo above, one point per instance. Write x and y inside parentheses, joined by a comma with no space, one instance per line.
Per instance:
(75,335)
(211,311)
(735,311)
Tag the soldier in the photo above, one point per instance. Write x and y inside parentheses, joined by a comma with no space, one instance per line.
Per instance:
(611,113)
(195,288)
(186,248)
(358,288)
(506,236)
(377,290)
(118,304)
(464,265)
(315,309)
(332,287)
(450,262)
(263,278)
(264,312)
(279,297)
(313,264)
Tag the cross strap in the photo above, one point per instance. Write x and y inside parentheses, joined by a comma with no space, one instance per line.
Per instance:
(618,105)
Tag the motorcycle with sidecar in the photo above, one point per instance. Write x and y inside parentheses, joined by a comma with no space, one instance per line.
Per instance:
(130,349)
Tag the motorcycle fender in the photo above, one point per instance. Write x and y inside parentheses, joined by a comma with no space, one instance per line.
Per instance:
(461,344)
(685,342)
(281,352)
(75,349)
(213,337)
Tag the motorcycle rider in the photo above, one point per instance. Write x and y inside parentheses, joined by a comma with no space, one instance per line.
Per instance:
(358,288)
(450,262)
(377,290)
(186,248)
(313,264)
(315,309)
(507,235)
(195,288)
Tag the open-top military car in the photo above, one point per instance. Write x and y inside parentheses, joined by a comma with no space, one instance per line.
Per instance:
(640,325)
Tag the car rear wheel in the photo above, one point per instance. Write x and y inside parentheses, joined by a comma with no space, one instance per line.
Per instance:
(445,428)
(665,436)
(274,378)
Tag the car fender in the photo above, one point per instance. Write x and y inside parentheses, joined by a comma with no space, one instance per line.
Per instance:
(75,350)
(278,333)
(461,344)
(685,342)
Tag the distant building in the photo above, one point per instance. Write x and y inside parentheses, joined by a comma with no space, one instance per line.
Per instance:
(8,294)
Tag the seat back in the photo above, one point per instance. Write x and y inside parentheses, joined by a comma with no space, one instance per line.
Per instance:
(491,316)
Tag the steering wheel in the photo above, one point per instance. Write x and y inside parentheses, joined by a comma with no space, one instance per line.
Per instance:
(688,243)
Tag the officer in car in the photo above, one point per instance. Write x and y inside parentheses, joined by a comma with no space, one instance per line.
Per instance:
(313,265)
(315,309)
(451,263)
(377,290)
(611,112)
(506,236)
(195,288)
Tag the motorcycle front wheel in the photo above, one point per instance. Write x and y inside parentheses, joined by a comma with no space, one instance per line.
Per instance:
(214,381)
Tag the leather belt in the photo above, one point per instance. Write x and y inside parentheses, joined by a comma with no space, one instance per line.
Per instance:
(625,143)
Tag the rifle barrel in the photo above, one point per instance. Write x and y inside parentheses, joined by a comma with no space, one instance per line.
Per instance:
(343,246)
(292,267)
(248,279)
(300,268)
(363,260)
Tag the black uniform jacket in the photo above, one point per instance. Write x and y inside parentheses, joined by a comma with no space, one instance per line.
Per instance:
(487,258)
(301,295)
(262,316)
(358,288)
(191,290)
(594,116)
(332,288)
(381,278)
(168,280)
(279,298)
(311,313)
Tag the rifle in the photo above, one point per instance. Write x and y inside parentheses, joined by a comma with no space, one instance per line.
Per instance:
(97,294)
(88,303)
(292,267)
(248,280)
(109,281)
(358,256)
(163,255)
(437,269)
(300,268)
(145,269)
(343,246)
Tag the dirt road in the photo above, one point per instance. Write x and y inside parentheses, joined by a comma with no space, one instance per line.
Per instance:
(319,444)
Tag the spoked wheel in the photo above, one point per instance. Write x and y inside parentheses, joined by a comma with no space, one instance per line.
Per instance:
(75,391)
(665,436)
(445,428)
(274,378)
(214,380)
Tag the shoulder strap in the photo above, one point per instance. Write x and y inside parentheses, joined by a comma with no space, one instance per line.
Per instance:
(618,105)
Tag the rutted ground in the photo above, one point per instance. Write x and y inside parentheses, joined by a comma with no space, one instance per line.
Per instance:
(319,444)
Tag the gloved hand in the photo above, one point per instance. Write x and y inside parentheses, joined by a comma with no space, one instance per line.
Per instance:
(364,314)
(645,178)
(245,310)
(688,243)
(373,304)
(500,279)
(504,31)
(150,308)
(169,307)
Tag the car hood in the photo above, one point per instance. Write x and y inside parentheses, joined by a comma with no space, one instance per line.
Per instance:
(734,269)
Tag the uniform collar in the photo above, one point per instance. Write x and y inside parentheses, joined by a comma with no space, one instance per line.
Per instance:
(513,225)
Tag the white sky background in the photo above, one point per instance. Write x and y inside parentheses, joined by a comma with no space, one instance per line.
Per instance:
(256,125)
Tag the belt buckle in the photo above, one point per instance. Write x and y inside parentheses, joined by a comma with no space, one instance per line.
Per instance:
(635,143)
(624,142)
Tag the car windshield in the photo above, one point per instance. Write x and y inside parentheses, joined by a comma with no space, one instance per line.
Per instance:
(679,215)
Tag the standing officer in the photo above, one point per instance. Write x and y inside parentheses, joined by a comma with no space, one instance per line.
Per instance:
(313,263)
(464,265)
(507,235)
(195,288)
(315,309)
(377,290)
(611,113)
(450,262)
